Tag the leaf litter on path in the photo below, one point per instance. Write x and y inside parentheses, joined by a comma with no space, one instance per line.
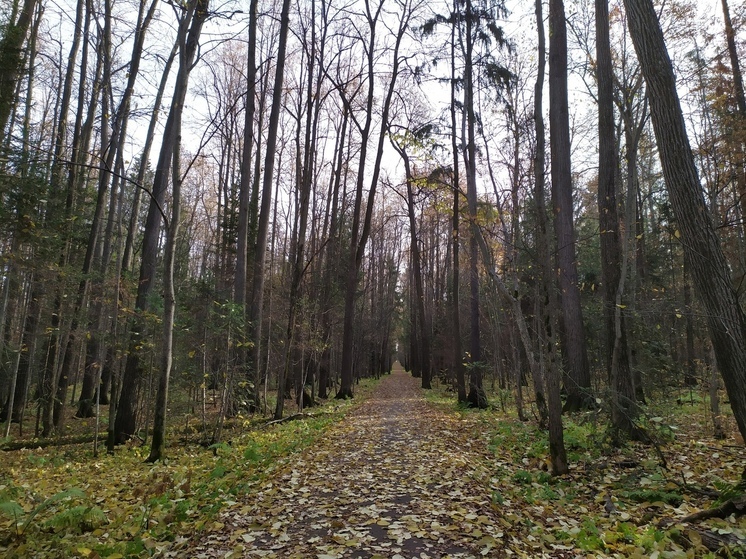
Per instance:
(395,479)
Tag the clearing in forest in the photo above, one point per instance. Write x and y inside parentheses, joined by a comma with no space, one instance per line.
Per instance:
(398,478)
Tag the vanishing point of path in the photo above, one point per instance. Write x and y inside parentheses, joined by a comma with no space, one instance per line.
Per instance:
(397,478)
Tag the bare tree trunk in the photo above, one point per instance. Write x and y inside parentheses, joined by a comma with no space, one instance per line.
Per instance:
(577,379)
(476,397)
(244,196)
(198,12)
(710,271)
(458,366)
(81,135)
(126,420)
(548,298)
(361,225)
(623,404)
(313,103)
(260,251)
(332,252)
(552,376)
(421,332)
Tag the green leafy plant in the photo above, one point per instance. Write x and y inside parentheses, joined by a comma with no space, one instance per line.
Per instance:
(729,491)
(523,477)
(77,519)
(654,495)
(23,520)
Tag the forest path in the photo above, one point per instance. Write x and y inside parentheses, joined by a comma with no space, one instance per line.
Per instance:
(397,478)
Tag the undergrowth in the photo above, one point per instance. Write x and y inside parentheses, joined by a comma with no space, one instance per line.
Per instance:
(61,502)
(617,501)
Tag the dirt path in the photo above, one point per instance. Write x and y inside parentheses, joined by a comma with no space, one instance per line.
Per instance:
(396,479)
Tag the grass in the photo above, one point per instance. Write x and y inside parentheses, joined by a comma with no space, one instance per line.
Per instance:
(612,502)
(118,506)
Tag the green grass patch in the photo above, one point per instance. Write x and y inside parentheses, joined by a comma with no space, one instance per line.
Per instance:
(118,505)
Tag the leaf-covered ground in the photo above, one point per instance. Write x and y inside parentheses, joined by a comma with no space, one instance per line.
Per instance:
(405,478)
(398,478)
(61,502)
(398,473)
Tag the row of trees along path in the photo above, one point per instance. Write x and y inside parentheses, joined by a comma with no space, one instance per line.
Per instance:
(397,478)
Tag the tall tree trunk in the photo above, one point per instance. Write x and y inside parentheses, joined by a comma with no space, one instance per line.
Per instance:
(578,378)
(548,303)
(458,365)
(260,249)
(158,445)
(244,194)
(303,204)
(477,397)
(709,268)
(552,377)
(623,405)
(114,160)
(422,331)
(125,424)
(81,133)
(361,224)
(330,265)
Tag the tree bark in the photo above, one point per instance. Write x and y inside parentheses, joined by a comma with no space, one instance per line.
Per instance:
(458,365)
(709,268)
(550,385)
(548,304)
(244,196)
(623,404)
(260,249)
(578,378)
(125,424)
(361,224)
(11,60)
(476,397)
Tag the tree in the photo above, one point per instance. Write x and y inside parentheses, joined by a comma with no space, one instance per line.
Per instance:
(550,384)
(422,335)
(260,249)
(361,224)
(623,405)
(706,261)
(114,162)
(245,189)
(572,332)
(190,27)
(11,59)
(476,397)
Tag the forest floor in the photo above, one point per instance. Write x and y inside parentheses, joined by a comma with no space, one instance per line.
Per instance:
(399,478)
(396,473)
(402,477)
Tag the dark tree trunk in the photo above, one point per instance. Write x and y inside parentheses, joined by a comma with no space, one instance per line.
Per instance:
(551,384)
(458,365)
(548,301)
(244,197)
(624,406)
(421,332)
(197,14)
(125,424)
(361,224)
(260,249)
(476,397)
(578,378)
(709,268)
(11,60)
